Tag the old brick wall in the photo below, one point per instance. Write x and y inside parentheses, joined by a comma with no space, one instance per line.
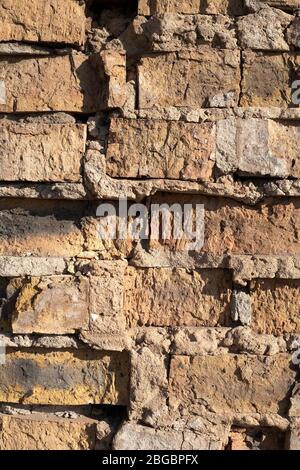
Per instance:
(147,345)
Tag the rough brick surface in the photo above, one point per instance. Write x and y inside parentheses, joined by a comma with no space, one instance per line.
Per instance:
(206,78)
(150,7)
(267,80)
(61,83)
(36,152)
(232,384)
(267,148)
(30,377)
(41,20)
(235,228)
(46,433)
(275,306)
(55,305)
(172,150)
(165,297)
(40,229)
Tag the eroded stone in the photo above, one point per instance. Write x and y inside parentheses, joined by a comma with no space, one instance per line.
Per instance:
(46,432)
(268,148)
(231,384)
(42,21)
(266,80)
(171,32)
(60,83)
(107,327)
(206,78)
(152,7)
(264,30)
(66,377)
(275,306)
(158,149)
(230,227)
(176,297)
(137,437)
(41,152)
(52,305)
(40,228)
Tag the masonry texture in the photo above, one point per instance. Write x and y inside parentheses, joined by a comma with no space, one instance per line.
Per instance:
(148,344)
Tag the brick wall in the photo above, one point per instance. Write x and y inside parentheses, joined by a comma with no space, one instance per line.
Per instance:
(128,344)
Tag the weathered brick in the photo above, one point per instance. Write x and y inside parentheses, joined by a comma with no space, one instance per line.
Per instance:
(14,266)
(293,440)
(231,227)
(41,152)
(42,21)
(173,32)
(58,83)
(52,305)
(268,148)
(262,438)
(109,246)
(231,384)
(106,287)
(55,228)
(132,436)
(41,228)
(107,328)
(267,79)
(223,7)
(152,7)
(159,149)
(275,306)
(208,77)
(48,377)
(245,268)
(46,432)
(264,30)
(114,65)
(254,147)
(175,297)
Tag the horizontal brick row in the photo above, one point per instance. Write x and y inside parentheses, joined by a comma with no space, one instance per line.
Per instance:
(198,79)
(267,29)
(117,295)
(269,227)
(212,78)
(141,148)
(231,7)
(231,227)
